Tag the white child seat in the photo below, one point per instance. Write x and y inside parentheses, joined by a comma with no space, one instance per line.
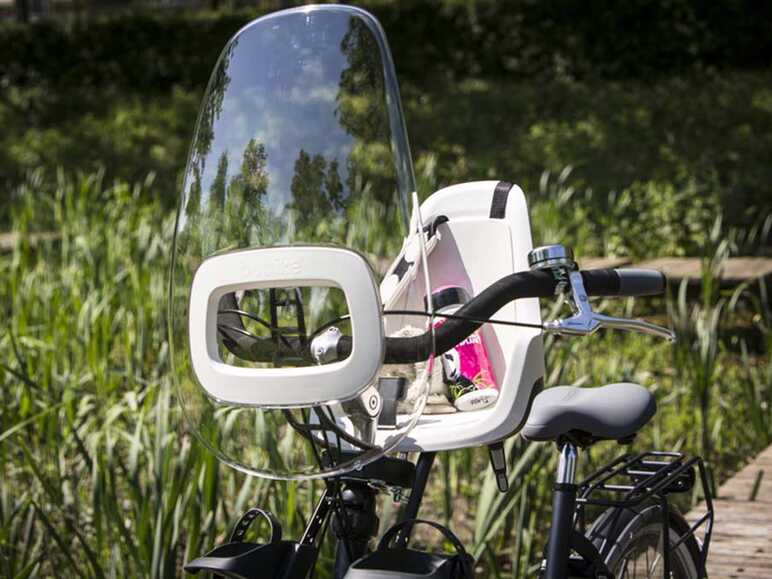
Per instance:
(487,236)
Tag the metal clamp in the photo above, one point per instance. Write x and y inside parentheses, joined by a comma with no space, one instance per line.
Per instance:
(324,347)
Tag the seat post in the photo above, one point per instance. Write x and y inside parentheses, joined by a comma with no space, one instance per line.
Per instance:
(566,473)
(563,504)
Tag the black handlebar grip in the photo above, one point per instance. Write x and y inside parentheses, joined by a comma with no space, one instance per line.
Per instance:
(624,282)
(641,282)
(601,282)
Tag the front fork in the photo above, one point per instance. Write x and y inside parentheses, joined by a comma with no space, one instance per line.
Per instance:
(563,503)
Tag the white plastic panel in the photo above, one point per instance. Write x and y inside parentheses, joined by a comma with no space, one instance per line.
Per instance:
(279,267)
(476,250)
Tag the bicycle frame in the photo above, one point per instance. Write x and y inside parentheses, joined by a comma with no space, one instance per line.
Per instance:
(653,476)
(563,506)
(348,507)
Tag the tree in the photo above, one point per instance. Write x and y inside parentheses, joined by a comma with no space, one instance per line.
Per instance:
(307,187)
(219,183)
(243,211)
(363,111)
(334,186)
(211,109)
(317,190)
(254,177)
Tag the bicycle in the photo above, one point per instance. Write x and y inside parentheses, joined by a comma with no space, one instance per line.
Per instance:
(315,125)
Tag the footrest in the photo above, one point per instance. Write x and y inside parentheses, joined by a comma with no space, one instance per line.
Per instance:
(388,562)
(238,559)
(279,560)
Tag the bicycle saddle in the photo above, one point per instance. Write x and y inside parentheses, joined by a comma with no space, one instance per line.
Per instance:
(612,412)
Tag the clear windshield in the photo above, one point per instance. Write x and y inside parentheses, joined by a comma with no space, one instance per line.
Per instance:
(301,137)
(300,140)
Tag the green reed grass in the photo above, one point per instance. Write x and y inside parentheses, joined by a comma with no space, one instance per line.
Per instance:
(101,479)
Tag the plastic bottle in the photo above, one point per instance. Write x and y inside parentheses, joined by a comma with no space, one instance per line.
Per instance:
(466,369)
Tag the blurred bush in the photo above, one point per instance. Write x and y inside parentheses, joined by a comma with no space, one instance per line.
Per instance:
(126,135)
(142,51)
(671,92)
(522,38)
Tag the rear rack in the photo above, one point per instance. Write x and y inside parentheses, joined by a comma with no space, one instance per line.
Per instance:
(630,480)
(636,478)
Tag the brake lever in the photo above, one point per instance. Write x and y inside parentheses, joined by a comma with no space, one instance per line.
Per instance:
(636,325)
(585,321)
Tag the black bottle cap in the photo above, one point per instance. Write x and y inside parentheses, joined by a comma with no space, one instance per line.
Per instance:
(449,296)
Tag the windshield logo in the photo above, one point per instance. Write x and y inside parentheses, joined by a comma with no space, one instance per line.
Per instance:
(287,265)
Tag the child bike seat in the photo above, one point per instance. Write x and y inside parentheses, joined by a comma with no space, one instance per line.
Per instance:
(612,412)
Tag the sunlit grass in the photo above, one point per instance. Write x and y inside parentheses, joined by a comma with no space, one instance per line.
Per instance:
(100,478)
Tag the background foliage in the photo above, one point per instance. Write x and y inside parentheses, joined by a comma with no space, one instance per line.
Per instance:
(644,95)
(640,128)
(521,38)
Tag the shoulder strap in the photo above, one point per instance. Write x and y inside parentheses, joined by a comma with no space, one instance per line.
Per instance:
(499,201)
(404,269)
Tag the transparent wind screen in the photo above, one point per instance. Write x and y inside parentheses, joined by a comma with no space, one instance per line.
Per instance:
(300,141)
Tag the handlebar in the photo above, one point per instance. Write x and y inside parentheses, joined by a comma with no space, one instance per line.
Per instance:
(540,283)
(521,285)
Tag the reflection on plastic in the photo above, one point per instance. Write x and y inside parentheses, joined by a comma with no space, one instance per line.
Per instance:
(300,141)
